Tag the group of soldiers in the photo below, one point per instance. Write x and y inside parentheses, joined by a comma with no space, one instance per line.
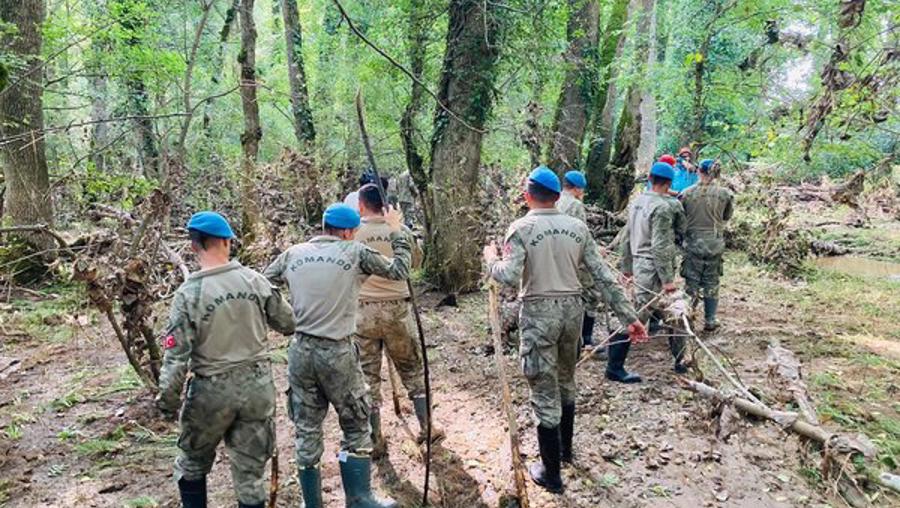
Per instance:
(350,304)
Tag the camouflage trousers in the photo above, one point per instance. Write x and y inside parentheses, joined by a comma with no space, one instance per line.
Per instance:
(646,286)
(239,406)
(701,275)
(551,334)
(390,327)
(322,372)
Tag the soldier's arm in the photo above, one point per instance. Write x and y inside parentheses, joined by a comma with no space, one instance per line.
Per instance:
(371,262)
(580,212)
(626,265)
(275,271)
(279,314)
(661,224)
(679,223)
(729,206)
(509,269)
(612,292)
(178,343)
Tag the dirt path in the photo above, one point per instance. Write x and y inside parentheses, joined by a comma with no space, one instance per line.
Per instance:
(88,436)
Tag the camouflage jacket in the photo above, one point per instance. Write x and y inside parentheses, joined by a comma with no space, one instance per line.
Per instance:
(654,223)
(324,276)
(543,252)
(707,207)
(217,322)
(571,206)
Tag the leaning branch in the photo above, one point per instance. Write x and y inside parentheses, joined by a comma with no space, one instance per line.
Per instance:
(36,228)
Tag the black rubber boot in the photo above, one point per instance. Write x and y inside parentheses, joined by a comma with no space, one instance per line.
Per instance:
(676,345)
(193,493)
(311,487)
(615,365)
(546,472)
(566,431)
(356,474)
(587,330)
(420,405)
(710,306)
(379,445)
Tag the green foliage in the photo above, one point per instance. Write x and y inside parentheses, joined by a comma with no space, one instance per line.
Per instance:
(120,190)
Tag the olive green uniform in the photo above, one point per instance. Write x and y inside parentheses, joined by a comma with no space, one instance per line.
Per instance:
(542,253)
(573,207)
(324,277)
(707,207)
(385,320)
(217,330)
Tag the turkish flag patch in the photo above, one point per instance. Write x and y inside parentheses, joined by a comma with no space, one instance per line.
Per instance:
(169,342)
(507,249)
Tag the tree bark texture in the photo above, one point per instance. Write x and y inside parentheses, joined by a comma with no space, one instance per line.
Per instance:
(600,145)
(573,107)
(618,177)
(230,16)
(27,198)
(417,39)
(300,111)
(466,88)
(252,130)
(647,149)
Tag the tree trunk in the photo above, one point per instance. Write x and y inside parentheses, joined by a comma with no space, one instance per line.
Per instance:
(27,198)
(579,84)
(647,149)
(417,38)
(605,100)
(219,63)
(619,174)
(466,89)
(300,110)
(252,130)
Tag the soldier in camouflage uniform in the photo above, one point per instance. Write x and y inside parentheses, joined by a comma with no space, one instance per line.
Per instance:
(324,277)
(385,322)
(217,330)
(571,203)
(707,207)
(649,248)
(542,254)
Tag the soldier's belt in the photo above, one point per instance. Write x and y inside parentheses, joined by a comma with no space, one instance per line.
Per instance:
(392,300)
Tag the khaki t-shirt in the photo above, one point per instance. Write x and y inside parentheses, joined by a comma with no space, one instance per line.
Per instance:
(375,233)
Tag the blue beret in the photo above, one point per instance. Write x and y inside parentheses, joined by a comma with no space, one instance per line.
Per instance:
(545,177)
(576,178)
(662,170)
(706,165)
(210,223)
(341,216)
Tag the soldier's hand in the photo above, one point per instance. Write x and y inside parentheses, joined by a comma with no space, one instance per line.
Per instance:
(394,218)
(626,278)
(669,287)
(490,252)
(166,412)
(637,333)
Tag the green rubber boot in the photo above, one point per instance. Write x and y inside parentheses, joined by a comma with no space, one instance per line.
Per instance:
(311,487)
(379,445)
(710,306)
(356,474)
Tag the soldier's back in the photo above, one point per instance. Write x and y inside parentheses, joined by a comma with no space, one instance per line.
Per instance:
(554,245)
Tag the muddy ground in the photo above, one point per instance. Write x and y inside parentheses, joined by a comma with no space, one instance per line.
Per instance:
(76,428)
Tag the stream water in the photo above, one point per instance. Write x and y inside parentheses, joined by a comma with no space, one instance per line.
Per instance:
(861,267)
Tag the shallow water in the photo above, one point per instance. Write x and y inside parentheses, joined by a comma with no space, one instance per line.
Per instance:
(861,267)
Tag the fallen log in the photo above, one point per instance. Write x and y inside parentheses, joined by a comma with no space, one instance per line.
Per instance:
(834,443)
(784,369)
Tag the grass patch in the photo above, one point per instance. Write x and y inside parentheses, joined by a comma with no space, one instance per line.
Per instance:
(44,318)
(13,432)
(4,491)
(126,381)
(142,502)
(96,447)
(69,400)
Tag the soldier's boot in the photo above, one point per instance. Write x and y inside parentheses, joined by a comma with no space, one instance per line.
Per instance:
(245,505)
(420,404)
(546,472)
(615,365)
(379,445)
(677,346)
(566,431)
(587,336)
(193,493)
(311,487)
(356,475)
(710,306)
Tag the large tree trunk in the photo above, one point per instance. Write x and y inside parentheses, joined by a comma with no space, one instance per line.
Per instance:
(575,98)
(27,197)
(252,129)
(300,110)
(647,148)
(617,179)
(219,62)
(604,103)
(417,38)
(466,89)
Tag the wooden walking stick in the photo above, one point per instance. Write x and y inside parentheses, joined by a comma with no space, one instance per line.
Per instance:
(392,376)
(518,467)
(273,480)
(360,115)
